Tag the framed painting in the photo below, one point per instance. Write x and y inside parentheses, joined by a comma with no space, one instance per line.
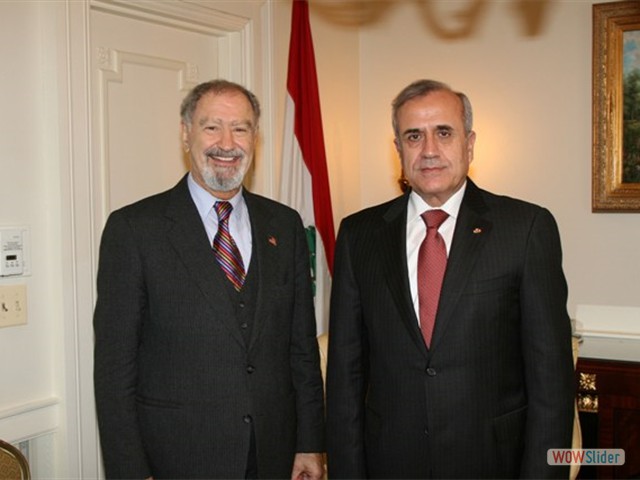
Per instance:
(616,107)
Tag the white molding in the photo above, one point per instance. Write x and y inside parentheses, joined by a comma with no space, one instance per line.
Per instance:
(111,62)
(29,420)
(187,15)
(608,321)
(234,32)
(268,102)
(78,453)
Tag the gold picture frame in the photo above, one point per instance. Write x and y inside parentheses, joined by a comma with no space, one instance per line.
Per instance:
(610,192)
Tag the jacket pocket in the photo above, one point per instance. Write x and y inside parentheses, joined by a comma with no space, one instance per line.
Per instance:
(490,285)
(373,421)
(156,402)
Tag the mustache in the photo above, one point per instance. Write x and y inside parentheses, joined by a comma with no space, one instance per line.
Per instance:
(429,162)
(222,153)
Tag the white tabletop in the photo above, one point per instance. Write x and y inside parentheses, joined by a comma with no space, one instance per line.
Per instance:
(610,348)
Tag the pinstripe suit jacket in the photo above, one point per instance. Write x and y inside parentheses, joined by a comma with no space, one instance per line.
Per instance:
(176,386)
(494,391)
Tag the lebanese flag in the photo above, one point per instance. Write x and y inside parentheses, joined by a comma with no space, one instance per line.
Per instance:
(304,178)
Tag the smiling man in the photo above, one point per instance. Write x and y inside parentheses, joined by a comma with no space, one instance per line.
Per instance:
(206,359)
(450,343)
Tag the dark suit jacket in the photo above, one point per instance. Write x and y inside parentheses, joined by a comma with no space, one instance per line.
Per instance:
(494,391)
(177,389)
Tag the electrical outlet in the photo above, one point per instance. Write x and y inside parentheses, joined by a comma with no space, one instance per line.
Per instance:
(13,305)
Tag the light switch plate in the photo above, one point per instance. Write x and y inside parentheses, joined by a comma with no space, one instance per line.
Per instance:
(13,305)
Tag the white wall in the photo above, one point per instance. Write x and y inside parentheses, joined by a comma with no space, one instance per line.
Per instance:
(30,356)
(26,171)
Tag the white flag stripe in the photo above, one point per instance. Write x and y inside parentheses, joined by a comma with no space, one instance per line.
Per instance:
(295,191)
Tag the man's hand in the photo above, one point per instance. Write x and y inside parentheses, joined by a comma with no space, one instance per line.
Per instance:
(308,466)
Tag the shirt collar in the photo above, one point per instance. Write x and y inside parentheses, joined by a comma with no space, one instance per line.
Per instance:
(204,200)
(417,206)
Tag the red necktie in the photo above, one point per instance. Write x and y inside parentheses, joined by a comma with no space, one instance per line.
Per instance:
(432,262)
(225,249)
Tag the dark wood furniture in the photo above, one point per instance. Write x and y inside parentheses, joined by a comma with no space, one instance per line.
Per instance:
(609,409)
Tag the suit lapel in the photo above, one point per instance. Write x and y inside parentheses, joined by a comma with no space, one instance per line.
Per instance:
(393,253)
(187,235)
(265,249)
(471,233)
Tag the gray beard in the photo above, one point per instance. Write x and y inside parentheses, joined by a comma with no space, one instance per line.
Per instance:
(220,183)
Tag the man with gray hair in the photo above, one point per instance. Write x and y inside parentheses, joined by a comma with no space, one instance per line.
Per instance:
(449,339)
(206,358)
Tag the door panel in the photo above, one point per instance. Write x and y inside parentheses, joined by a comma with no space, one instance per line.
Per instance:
(142,71)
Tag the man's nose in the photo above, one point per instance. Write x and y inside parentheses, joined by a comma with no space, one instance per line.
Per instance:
(429,146)
(226,138)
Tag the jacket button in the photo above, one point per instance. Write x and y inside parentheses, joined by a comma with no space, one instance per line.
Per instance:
(251,369)
(247,419)
(244,325)
(431,372)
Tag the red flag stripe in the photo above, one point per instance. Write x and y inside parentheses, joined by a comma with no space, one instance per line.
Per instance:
(302,84)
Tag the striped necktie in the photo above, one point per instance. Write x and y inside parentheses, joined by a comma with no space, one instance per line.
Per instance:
(225,249)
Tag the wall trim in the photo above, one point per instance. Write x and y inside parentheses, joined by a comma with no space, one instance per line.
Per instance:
(29,420)
(608,321)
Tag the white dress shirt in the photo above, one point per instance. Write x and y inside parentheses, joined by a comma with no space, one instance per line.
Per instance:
(417,231)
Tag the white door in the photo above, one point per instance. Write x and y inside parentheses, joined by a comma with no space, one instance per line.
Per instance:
(141,71)
(143,62)
(131,63)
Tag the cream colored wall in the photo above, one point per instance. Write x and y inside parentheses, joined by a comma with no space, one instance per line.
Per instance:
(30,196)
(31,356)
(532,101)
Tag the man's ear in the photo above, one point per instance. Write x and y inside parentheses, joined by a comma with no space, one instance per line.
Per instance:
(185,136)
(471,141)
(396,142)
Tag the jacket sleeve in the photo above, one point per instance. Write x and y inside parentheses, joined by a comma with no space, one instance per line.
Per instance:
(346,370)
(305,356)
(547,353)
(120,309)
